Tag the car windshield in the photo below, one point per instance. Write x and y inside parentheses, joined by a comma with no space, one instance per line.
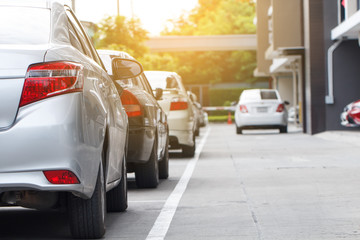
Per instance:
(162,81)
(268,95)
(131,83)
(21,25)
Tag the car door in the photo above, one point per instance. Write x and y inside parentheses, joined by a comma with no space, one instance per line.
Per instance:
(160,118)
(116,118)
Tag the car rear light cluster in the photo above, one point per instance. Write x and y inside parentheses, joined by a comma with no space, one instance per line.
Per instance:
(178,104)
(61,177)
(280,108)
(131,104)
(243,109)
(49,79)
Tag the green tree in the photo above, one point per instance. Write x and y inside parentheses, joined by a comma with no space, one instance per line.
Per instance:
(119,33)
(213,17)
(216,17)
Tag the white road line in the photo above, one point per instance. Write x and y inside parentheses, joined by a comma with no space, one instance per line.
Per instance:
(162,223)
(147,201)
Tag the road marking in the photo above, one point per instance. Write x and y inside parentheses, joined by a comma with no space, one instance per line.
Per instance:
(147,201)
(163,221)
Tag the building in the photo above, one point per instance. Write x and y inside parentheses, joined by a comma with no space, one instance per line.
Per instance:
(310,48)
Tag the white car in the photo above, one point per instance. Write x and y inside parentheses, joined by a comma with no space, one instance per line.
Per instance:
(261,108)
(177,105)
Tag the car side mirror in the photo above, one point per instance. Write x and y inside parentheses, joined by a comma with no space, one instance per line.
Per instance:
(158,93)
(123,68)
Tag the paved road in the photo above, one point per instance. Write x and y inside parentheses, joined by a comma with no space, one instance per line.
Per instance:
(260,185)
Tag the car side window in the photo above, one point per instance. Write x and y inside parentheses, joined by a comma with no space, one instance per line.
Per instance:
(87,45)
(74,39)
(76,27)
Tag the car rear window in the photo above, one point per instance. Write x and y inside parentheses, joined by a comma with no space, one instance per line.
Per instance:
(268,95)
(24,25)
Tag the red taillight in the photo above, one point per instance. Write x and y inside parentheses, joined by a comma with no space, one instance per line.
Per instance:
(131,104)
(61,177)
(280,108)
(243,109)
(178,104)
(45,80)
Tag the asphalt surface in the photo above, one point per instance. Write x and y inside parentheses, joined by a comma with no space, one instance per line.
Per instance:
(258,185)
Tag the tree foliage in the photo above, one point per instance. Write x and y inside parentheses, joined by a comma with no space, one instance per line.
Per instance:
(210,17)
(213,17)
(119,33)
(216,17)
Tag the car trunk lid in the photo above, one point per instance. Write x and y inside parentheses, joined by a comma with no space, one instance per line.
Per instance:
(263,107)
(13,65)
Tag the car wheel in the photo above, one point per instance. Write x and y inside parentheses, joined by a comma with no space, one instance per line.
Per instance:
(164,163)
(197,132)
(283,129)
(147,175)
(189,151)
(238,130)
(87,216)
(116,198)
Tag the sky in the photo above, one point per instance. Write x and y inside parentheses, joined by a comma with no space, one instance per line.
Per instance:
(153,14)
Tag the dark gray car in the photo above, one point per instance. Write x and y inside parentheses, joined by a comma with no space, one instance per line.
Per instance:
(147,153)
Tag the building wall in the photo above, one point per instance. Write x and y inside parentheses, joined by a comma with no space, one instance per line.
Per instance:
(285,88)
(262,34)
(346,82)
(315,62)
(346,70)
(287,24)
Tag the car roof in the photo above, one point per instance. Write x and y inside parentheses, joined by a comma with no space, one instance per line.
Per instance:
(160,73)
(253,94)
(33,3)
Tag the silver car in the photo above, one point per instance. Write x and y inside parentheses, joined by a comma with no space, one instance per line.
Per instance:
(260,108)
(63,130)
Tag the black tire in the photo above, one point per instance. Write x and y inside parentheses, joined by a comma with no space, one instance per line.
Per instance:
(147,175)
(189,151)
(164,163)
(197,130)
(116,198)
(283,129)
(238,130)
(87,216)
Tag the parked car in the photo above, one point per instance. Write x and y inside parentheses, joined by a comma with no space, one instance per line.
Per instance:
(260,108)
(196,111)
(350,117)
(63,129)
(200,119)
(147,153)
(177,105)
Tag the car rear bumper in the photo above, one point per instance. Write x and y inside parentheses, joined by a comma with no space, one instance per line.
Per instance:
(178,138)
(51,135)
(181,128)
(253,120)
